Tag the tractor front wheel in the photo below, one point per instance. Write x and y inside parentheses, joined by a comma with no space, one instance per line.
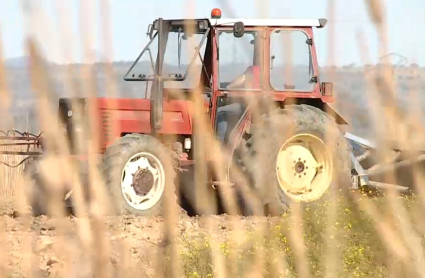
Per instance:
(139,172)
(43,189)
(35,190)
(299,154)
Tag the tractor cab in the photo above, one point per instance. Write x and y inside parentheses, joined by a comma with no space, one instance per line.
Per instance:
(228,60)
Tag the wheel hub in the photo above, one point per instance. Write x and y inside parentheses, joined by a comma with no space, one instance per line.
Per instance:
(300,167)
(296,168)
(143,181)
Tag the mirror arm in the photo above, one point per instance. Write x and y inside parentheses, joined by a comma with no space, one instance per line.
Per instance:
(179,47)
(271,61)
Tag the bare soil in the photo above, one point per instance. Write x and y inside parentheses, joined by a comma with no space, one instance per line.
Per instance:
(46,247)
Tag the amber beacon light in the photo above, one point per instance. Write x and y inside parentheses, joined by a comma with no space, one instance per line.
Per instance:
(216,13)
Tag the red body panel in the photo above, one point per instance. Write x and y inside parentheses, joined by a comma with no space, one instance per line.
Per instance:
(119,116)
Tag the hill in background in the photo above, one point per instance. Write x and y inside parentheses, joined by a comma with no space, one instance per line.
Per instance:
(351,88)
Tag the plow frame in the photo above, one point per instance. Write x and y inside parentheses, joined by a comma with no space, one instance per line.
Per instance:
(19,138)
(361,176)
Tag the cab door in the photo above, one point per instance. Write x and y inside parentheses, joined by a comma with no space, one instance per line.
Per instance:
(238,67)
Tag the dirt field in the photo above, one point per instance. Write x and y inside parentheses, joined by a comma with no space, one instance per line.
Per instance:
(355,245)
(56,248)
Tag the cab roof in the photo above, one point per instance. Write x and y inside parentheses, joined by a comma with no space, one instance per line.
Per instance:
(202,24)
(319,23)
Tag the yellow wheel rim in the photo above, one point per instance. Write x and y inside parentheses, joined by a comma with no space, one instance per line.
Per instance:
(304,168)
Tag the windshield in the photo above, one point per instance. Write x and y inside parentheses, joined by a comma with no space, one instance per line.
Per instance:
(236,59)
(290,61)
(176,60)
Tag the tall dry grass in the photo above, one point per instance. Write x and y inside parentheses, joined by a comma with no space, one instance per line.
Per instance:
(354,234)
(10,173)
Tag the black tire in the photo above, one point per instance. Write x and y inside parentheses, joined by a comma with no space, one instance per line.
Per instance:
(115,159)
(35,190)
(266,142)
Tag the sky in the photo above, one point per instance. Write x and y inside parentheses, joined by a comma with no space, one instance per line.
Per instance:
(129,20)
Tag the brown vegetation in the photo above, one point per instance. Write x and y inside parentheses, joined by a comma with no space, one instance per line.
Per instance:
(359,234)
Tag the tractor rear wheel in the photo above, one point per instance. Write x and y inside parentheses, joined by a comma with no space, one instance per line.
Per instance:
(140,175)
(298,154)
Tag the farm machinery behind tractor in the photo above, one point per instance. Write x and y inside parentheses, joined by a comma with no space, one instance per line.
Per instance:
(269,110)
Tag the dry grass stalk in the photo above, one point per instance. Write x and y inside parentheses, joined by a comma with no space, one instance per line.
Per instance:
(308,242)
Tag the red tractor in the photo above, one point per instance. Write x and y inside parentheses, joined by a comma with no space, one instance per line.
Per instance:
(263,99)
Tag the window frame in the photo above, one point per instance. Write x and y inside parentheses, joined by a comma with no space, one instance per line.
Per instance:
(260,31)
(311,64)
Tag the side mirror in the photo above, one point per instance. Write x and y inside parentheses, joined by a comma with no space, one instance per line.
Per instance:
(238,29)
(149,33)
(327,89)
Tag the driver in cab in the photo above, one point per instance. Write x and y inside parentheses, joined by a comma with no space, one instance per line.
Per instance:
(249,79)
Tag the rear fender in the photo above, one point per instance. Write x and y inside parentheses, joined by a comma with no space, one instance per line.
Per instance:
(338,118)
(318,103)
